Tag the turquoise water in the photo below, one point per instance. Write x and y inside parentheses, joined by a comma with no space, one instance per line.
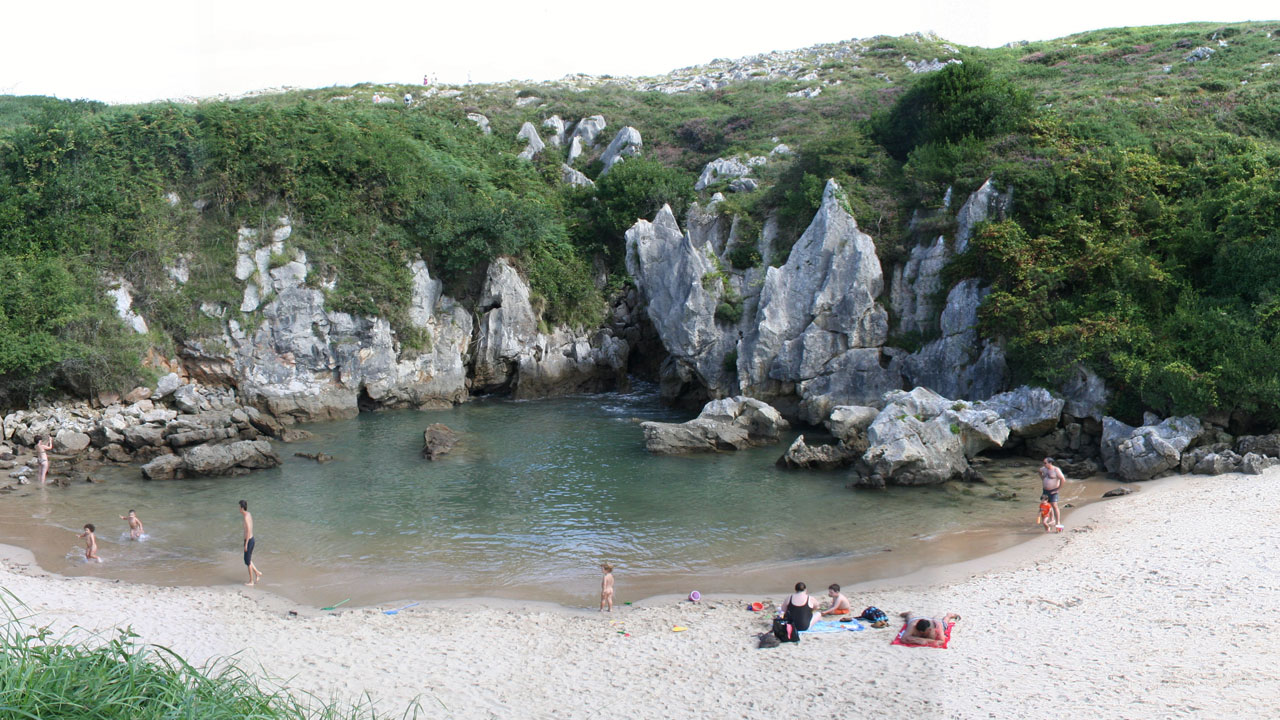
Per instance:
(536,495)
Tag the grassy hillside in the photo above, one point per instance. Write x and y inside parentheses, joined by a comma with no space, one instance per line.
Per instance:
(1143,238)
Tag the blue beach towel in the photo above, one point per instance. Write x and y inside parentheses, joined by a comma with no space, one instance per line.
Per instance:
(832,626)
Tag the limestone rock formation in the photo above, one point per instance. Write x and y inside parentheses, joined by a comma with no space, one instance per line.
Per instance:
(1027,411)
(586,131)
(569,176)
(721,168)
(533,143)
(164,467)
(627,143)
(1146,452)
(725,424)
(846,421)
(1085,394)
(669,271)
(513,354)
(481,122)
(802,456)
(818,327)
(920,437)
(555,138)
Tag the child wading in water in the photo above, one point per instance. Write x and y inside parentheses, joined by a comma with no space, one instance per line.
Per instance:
(606,588)
(135,525)
(90,543)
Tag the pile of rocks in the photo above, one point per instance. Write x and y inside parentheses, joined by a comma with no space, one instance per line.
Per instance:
(178,429)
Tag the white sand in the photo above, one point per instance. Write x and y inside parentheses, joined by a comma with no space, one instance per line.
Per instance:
(1161,604)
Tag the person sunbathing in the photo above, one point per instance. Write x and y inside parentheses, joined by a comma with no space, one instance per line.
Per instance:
(927,631)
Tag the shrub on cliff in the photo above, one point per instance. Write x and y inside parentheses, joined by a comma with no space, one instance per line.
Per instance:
(958,102)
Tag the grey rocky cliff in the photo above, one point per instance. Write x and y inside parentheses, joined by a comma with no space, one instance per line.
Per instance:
(513,354)
(818,328)
(304,362)
(958,363)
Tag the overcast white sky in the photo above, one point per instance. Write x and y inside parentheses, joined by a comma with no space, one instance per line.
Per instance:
(137,50)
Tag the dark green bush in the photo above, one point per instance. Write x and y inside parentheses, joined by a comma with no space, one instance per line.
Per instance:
(958,102)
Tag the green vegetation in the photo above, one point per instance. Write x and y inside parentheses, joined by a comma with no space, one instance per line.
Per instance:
(45,677)
(1141,242)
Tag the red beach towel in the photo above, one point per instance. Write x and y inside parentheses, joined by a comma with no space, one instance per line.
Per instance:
(897,639)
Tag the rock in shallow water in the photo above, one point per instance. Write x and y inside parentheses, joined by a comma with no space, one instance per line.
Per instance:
(726,424)
(437,440)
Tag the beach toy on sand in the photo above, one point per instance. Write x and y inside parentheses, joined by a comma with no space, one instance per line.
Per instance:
(679,628)
(757,606)
(393,612)
(335,606)
(695,596)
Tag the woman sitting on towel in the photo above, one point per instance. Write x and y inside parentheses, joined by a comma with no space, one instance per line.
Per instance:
(800,609)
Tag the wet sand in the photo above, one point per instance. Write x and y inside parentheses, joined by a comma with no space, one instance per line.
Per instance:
(1159,604)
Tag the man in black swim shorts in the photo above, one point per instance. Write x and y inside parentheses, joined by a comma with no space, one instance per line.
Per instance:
(254,575)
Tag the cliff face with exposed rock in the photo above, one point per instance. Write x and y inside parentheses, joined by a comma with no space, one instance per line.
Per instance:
(813,333)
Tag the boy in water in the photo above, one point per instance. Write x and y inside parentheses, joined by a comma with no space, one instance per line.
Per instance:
(248,544)
(606,588)
(90,543)
(135,525)
(839,603)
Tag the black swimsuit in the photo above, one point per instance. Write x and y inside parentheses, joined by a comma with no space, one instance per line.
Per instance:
(248,552)
(801,616)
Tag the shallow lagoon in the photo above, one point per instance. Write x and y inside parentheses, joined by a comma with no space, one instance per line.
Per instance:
(534,498)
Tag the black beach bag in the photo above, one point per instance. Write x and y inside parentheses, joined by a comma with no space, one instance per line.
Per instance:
(785,631)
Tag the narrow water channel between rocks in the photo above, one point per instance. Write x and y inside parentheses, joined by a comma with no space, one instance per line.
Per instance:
(536,495)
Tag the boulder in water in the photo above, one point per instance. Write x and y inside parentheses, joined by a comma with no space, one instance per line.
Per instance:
(726,424)
(802,456)
(437,440)
(164,467)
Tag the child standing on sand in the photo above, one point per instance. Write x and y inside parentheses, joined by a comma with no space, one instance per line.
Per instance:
(90,543)
(606,588)
(135,525)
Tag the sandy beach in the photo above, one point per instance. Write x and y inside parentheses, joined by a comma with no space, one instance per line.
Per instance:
(1158,604)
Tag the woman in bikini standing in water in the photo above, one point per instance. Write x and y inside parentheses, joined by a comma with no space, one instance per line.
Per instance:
(44,445)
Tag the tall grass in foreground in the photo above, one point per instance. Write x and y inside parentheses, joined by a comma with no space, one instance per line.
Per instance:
(43,677)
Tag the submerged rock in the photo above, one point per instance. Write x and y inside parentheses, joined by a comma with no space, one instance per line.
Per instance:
(437,440)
